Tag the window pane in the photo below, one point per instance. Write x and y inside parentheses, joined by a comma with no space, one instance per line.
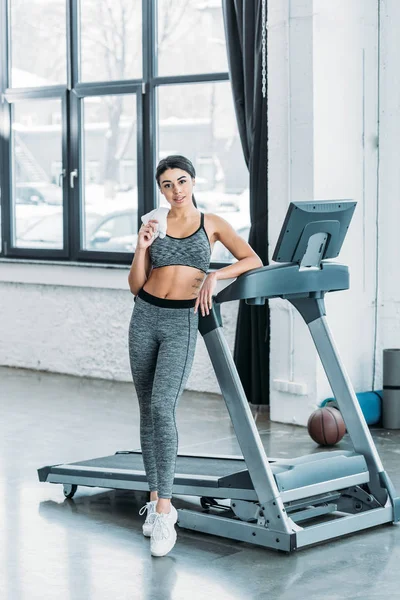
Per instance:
(36,195)
(191,37)
(198,121)
(110,173)
(38,42)
(111,40)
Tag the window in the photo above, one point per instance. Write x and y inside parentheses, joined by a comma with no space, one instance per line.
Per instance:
(37,43)
(34,149)
(127,173)
(89,117)
(190,38)
(115,233)
(109,135)
(47,231)
(110,40)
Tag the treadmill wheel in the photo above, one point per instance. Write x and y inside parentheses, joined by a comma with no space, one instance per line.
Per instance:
(69,490)
(207,502)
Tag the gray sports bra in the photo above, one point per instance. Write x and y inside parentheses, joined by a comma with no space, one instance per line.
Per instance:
(191,251)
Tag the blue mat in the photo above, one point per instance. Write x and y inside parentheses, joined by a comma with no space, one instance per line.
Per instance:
(370,404)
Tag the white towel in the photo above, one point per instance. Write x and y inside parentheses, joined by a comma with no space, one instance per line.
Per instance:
(160,215)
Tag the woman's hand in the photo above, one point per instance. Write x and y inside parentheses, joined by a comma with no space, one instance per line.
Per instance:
(146,234)
(204,299)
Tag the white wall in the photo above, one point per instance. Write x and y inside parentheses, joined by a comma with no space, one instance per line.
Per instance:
(323,98)
(291,177)
(354,152)
(389,183)
(75,320)
(346,162)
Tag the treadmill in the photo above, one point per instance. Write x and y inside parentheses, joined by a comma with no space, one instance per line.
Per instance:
(283,504)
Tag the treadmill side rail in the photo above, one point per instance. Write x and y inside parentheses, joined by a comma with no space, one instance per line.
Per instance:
(344,526)
(270,538)
(279,280)
(211,321)
(348,404)
(43,473)
(236,530)
(244,425)
(395,500)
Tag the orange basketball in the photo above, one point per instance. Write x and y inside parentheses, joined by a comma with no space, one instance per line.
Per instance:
(326,426)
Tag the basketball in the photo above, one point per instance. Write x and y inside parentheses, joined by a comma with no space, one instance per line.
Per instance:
(326,426)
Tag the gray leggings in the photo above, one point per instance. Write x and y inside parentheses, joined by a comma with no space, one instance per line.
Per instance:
(162,342)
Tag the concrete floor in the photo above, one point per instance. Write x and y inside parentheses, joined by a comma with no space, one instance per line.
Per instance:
(92,547)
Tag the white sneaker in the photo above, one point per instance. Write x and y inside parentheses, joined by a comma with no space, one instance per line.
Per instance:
(150,507)
(163,536)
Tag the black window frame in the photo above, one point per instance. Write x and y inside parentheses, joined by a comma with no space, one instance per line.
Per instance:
(71,96)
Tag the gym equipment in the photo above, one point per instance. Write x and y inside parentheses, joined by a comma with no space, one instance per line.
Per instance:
(326,426)
(391,388)
(286,503)
(370,404)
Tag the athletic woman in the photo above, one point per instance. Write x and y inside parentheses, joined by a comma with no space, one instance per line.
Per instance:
(169,279)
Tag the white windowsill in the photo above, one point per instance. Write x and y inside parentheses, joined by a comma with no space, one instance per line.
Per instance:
(90,275)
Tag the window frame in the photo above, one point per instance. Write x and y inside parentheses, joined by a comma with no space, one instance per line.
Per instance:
(72,94)
(13,97)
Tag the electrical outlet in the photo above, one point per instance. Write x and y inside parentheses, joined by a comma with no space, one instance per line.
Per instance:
(290,387)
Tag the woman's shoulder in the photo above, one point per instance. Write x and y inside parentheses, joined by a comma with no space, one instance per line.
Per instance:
(215,221)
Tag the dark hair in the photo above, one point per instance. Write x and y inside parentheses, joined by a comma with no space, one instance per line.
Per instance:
(175,161)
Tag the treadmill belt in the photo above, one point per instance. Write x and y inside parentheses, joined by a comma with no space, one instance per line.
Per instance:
(185,465)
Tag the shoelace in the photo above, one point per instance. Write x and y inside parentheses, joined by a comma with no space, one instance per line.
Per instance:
(150,516)
(160,528)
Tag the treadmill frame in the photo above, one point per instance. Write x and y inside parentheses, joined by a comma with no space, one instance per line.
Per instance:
(274,527)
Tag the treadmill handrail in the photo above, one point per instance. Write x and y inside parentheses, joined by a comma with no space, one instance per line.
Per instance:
(282,280)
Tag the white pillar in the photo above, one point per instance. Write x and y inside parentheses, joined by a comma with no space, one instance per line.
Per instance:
(291,177)
(330,54)
(389,183)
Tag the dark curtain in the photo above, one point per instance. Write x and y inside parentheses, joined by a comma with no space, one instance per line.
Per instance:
(243,30)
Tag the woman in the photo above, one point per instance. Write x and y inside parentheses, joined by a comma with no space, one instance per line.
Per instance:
(169,279)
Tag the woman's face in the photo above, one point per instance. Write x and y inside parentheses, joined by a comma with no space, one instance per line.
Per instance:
(177,187)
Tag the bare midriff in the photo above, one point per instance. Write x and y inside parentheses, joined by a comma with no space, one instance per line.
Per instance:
(175,282)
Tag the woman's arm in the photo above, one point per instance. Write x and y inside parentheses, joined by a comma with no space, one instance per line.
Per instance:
(139,271)
(247,259)
(141,265)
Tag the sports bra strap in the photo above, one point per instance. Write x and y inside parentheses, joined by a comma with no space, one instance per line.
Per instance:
(202,220)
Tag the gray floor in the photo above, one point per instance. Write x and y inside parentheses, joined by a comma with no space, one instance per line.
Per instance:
(93,547)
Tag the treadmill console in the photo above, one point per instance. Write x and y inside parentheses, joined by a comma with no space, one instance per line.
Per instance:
(313,231)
